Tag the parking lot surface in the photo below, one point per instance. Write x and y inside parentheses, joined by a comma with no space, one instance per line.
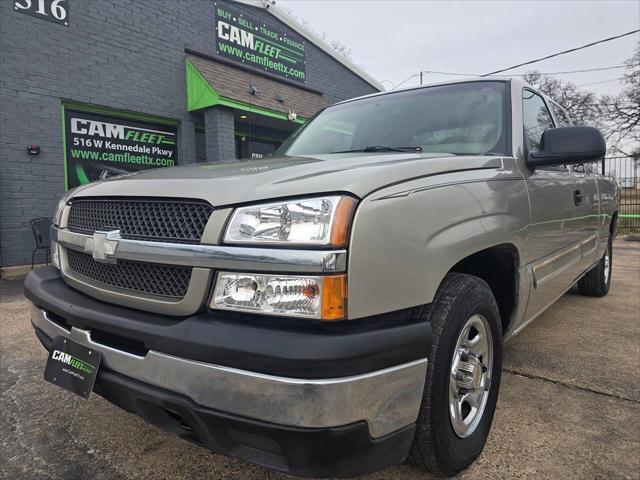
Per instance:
(569,404)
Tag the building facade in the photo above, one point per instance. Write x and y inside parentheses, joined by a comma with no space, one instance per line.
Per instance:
(91,89)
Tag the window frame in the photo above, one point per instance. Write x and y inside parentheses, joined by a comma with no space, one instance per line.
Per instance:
(555,105)
(525,137)
(507,110)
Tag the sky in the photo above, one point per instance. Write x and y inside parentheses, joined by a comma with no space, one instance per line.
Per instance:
(394,39)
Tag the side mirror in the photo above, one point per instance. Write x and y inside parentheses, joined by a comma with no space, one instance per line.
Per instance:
(568,145)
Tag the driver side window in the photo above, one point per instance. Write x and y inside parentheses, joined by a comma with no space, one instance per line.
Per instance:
(536,119)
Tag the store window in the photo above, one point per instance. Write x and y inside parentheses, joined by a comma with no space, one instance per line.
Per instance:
(255,140)
(100,142)
(248,147)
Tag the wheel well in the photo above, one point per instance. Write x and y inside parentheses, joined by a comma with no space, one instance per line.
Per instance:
(498,267)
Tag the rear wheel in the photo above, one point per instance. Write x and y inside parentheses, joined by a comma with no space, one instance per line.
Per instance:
(463,376)
(597,281)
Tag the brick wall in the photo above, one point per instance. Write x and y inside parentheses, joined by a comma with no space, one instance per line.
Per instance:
(122,54)
(219,134)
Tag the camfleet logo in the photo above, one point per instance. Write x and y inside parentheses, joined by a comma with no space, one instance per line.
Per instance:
(94,128)
(73,362)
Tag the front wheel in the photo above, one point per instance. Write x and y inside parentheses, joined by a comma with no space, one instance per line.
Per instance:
(463,376)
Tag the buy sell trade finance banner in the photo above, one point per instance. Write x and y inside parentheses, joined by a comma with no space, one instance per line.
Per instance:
(243,38)
(99,146)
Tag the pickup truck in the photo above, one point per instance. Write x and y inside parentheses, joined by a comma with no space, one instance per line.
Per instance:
(341,306)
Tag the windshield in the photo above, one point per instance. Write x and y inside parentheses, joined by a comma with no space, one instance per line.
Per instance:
(464,118)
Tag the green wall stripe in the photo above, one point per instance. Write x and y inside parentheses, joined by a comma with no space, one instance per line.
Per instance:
(82,176)
(246,107)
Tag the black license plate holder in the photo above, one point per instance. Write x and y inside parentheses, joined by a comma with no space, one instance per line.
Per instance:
(72,366)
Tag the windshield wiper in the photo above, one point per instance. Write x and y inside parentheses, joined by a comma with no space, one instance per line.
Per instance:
(382,148)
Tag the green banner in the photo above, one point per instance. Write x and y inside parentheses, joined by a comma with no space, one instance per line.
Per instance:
(100,146)
(267,46)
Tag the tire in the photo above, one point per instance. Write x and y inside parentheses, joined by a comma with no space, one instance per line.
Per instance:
(437,447)
(597,281)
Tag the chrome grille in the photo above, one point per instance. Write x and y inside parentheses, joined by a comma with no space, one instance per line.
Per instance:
(148,278)
(162,220)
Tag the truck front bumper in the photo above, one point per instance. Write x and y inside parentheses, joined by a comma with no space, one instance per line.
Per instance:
(333,426)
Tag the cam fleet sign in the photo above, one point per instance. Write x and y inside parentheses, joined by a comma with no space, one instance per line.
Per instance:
(100,146)
(245,39)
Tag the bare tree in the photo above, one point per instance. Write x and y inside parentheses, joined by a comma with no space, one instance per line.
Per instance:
(339,47)
(617,116)
(584,107)
(622,112)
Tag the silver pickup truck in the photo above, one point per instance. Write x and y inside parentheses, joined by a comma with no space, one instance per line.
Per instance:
(342,306)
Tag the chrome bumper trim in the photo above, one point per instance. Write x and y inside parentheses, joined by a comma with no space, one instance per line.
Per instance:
(387,399)
(213,256)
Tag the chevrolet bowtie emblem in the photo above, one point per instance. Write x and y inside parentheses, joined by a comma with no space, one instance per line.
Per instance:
(102,246)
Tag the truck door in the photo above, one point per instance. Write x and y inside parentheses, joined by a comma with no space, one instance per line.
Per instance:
(590,212)
(589,196)
(557,205)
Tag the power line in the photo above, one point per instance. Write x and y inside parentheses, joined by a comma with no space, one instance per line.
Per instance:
(564,52)
(541,73)
(406,80)
(605,104)
(393,85)
(453,73)
(459,74)
(584,70)
(601,81)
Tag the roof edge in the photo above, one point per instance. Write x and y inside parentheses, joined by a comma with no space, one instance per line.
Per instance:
(284,17)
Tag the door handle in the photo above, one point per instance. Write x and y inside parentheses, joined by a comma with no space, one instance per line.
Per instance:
(577,197)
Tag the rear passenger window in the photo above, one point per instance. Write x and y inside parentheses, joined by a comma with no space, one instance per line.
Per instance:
(537,118)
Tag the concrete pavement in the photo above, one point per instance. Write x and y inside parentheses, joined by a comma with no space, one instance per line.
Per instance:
(569,404)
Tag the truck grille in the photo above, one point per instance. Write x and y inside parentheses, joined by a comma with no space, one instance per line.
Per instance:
(177,221)
(148,278)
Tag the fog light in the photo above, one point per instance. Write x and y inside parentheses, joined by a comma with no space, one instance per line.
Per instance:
(316,297)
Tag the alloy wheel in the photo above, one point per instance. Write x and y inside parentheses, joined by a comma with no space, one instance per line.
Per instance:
(470,379)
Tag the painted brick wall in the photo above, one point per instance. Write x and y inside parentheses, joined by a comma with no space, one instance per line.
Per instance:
(219,134)
(121,54)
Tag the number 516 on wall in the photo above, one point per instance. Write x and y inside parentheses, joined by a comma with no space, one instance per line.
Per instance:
(53,10)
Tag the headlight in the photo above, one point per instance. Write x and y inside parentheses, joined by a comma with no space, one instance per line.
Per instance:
(315,297)
(57,217)
(307,221)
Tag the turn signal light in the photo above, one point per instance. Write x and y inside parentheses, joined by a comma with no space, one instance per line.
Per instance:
(342,221)
(334,298)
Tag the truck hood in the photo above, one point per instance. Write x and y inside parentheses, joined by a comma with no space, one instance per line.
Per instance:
(224,184)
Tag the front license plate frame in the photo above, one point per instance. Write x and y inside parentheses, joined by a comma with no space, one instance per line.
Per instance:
(72,366)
